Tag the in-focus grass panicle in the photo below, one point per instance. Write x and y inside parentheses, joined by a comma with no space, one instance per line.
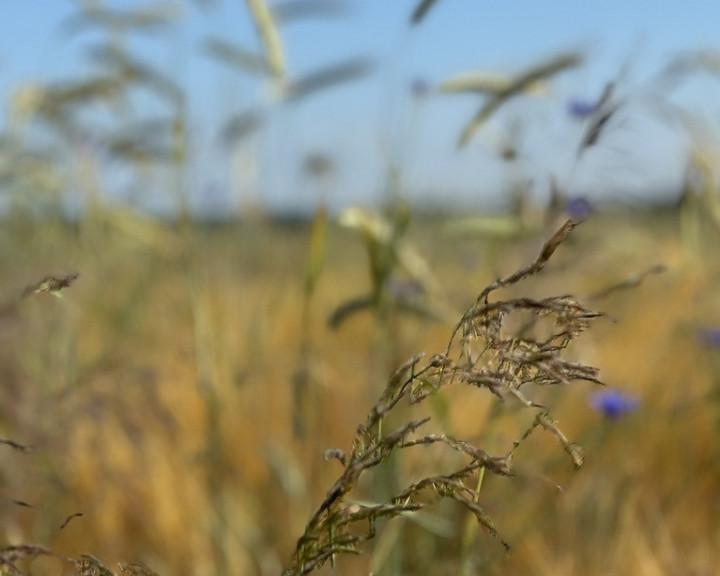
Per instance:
(506,364)
(547,251)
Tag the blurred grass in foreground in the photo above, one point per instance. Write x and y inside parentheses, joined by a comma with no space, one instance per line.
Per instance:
(103,384)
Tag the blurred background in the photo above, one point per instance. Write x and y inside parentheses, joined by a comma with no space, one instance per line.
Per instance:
(225,223)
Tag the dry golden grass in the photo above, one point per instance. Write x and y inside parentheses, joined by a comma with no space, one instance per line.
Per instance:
(157,396)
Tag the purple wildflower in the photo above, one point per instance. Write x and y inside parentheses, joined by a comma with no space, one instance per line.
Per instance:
(709,337)
(579,208)
(613,403)
(581,109)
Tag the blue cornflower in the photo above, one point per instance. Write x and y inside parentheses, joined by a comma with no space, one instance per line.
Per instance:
(709,337)
(579,208)
(613,403)
(581,109)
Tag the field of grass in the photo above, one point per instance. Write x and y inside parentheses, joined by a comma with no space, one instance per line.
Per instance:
(385,393)
(179,397)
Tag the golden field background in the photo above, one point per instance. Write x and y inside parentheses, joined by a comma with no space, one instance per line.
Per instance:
(173,406)
(158,397)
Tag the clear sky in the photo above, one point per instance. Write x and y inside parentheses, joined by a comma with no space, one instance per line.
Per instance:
(366,124)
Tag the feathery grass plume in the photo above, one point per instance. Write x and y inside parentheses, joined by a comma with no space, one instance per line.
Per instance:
(388,252)
(236,56)
(500,91)
(265,24)
(489,358)
(421,10)
(547,251)
(327,77)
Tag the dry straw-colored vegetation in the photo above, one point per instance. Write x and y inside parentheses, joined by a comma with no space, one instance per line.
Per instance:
(255,396)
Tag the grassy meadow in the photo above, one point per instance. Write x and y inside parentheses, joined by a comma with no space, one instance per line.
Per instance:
(159,396)
(384,391)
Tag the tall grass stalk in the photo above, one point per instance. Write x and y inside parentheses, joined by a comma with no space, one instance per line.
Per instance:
(487,357)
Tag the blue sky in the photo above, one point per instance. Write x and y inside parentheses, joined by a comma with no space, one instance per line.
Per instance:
(367,124)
